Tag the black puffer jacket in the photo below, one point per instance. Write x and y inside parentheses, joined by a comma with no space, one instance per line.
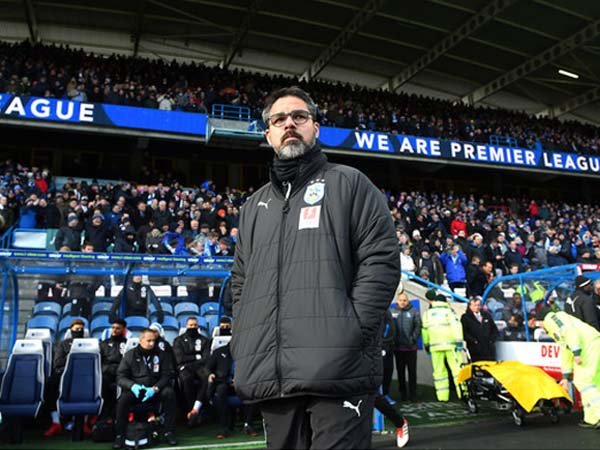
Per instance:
(311,281)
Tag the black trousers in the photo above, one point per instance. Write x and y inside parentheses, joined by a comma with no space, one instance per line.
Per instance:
(166,396)
(222,392)
(459,284)
(109,394)
(388,371)
(193,382)
(388,410)
(51,390)
(407,361)
(319,422)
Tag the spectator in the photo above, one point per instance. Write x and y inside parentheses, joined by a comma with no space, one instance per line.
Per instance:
(69,235)
(454,262)
(480,279)
(97,233)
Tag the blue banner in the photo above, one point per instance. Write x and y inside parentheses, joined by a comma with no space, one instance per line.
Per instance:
(176,122)
(50,109)
(467,152)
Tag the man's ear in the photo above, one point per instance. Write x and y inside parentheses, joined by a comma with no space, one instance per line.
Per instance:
(267,137)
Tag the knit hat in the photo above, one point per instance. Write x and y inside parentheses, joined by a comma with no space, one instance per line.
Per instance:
(158,328)
(72,217)
(582,281)
(430,294)
(98,216)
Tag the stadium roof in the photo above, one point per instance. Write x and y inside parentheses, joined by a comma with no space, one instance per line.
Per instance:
(503,53)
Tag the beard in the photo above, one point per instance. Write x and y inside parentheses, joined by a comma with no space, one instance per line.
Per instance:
(294,149)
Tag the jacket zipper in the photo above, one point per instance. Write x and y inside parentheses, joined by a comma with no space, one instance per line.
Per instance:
(284,211)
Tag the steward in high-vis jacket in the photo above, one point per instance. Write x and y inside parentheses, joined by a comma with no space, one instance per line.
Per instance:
(316,264)
(580,360)
(137,297)
(443,337)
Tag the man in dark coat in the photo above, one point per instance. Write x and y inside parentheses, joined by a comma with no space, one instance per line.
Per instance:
(581,304)
(69,235)
(192,351)
(316,263)
(137,297)
(111,354)
(407,321)
(144,374)
(59,361)
(480,332)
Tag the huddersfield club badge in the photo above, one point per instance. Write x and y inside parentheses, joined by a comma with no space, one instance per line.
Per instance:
(314,192)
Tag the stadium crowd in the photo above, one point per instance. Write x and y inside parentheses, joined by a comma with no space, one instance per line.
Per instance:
(62,72)
(438,233)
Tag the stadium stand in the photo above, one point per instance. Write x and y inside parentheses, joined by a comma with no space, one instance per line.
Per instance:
(42,70)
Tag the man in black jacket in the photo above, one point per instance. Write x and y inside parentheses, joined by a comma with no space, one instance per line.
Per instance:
(145,373)
(59,361)
(480,332)
(111,354)
(69,235)
(407,321)
(316,263)
(581,305)
(192,351)
(220,379)
(136,300)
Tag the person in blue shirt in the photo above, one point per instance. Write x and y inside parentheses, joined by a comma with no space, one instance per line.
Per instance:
(454,262)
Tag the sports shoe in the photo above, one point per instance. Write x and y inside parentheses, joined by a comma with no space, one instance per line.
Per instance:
(390,400)
(87,430)
(54,430)
(170,438)
(583,424)
(119,442)
(402,434)
(222,434)
(249,431)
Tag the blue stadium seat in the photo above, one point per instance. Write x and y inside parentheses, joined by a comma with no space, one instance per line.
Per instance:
(209,308)
(136,323)
(212,321)
(48,322)
(102,300)
(98,325)
(171,327)
(47,309)
(166,307)
(65,324)
(81,384)
(66,311)
(101,308)
(45,336)
(186,309)
(22,390)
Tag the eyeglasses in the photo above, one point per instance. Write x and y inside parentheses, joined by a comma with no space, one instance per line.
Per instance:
(299,117)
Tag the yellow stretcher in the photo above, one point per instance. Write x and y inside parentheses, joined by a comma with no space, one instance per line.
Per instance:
(515,385)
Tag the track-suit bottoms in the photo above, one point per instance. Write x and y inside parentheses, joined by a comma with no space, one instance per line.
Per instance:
(440,374)
(321,423)
(586,378)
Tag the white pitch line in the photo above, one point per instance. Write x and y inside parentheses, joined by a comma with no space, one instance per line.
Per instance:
(202,446)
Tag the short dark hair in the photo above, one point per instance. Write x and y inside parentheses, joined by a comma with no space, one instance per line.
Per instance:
(293,91)
(121,322)
(191,318)
(77,322)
